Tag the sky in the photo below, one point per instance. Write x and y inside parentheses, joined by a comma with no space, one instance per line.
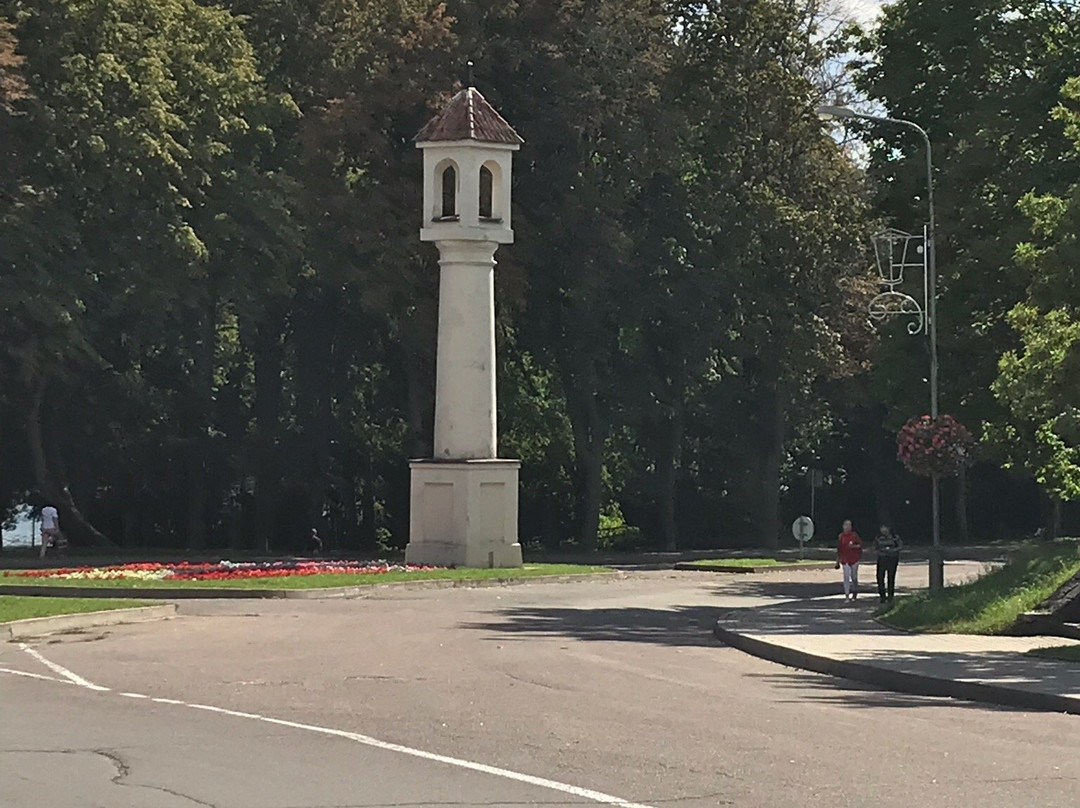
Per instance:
(863,11)
(19,535)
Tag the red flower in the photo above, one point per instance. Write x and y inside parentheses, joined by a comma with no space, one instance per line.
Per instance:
(927,446)
(225,570)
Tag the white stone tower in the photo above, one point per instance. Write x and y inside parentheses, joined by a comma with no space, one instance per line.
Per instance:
(464,501)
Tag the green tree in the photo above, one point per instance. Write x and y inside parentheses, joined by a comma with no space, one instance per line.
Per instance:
(580,81)
(981,78)
(143,125)
(235,321)
(780,217)
(1036,385)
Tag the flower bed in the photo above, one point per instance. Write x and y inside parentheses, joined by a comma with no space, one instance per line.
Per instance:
(220,571)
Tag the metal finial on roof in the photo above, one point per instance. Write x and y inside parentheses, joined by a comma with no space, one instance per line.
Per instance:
(469,65)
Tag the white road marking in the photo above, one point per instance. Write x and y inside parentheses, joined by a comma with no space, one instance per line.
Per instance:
(74,678)
(223,711)
(366,740)
(14,672)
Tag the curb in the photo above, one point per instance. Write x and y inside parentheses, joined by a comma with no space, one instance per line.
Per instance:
(900,681)
(1043,623)
(696,566)
(364,590)
(39,626)
(357,591)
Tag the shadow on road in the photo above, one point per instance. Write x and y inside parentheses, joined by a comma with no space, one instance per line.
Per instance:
(691,626)
(800,590)
(845,633)
(845,693)
(685,625)
(824,616)
(679,626)
(781,590)
(1010,669)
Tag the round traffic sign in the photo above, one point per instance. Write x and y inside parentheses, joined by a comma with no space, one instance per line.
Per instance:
(803,529)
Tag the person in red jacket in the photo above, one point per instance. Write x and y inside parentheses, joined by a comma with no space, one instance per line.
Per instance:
(848,555)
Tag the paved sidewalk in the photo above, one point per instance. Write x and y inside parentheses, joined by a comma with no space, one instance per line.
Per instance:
(831,636)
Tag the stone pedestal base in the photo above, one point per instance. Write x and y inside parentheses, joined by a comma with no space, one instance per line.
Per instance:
(464,513)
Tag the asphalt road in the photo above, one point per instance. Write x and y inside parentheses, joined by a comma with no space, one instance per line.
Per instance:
(601,692)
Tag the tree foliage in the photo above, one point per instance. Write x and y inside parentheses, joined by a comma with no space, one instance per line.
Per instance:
(219,322)
(1039,431)
(982,78)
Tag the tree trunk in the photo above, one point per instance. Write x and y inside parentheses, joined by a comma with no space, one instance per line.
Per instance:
(350,511)
(592,480)
(589,434)
(962,525)
(130,527)
(269,362)
(420,399)
(368,505)
(314,335)
(670,464)
(84,486)
(235,522)
(1055,518)
(200,421)
(75,526)
(196,502)
(774,413)
(882,464)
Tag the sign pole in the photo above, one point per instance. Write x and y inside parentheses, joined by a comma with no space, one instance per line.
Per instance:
(803,530)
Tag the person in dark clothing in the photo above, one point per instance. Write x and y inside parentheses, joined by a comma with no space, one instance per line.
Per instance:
(888,546)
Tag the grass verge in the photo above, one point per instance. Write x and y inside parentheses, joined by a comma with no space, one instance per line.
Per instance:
(316,581)
(1063,653)
(993,602)
(13,607)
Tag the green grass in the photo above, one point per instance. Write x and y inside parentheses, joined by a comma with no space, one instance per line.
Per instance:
(750,562)
(1063,653)
(20,608)
(993,602)
(318,581)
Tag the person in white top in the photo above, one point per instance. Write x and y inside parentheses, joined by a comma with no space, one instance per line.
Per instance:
(50,527)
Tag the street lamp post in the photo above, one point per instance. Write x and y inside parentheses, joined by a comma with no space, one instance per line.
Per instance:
(937,564)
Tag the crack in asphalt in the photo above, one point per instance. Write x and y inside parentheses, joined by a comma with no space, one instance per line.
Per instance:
(527,681)
(431,804)
(181,796)
(69,639)
(475,804)
(717,796)
(381,678)
(122,769)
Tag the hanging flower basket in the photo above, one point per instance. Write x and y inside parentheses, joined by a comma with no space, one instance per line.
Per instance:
(928,446)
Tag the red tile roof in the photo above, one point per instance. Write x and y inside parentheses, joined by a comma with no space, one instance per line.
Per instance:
(468,116)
